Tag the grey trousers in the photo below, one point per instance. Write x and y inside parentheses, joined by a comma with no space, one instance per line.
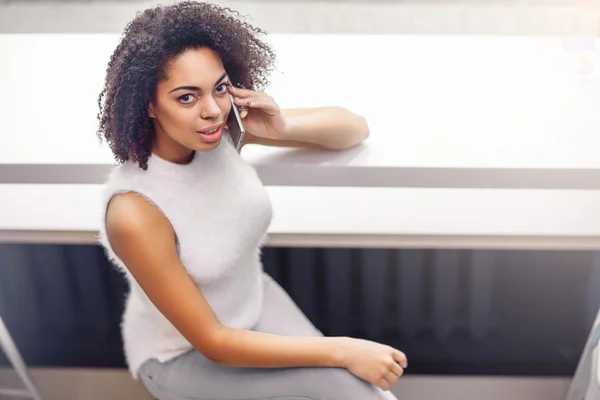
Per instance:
(192,376)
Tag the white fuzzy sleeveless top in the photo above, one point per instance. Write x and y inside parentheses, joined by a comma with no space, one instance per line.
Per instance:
(220,212)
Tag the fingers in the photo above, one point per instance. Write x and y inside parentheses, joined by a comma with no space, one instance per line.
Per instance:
(253,99)
(391,377)
(263,102)
(243,93)
(389,374)
(400,358)
(248,101)
(396,369)
(388,379)
(384,384)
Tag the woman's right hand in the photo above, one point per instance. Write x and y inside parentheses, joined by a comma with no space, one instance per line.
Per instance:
(373,362)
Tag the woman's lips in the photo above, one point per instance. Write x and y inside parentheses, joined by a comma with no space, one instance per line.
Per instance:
(211,134)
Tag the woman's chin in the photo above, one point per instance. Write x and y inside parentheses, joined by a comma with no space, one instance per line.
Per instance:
(207,146)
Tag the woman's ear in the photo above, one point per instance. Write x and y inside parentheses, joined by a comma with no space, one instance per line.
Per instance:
(151,113)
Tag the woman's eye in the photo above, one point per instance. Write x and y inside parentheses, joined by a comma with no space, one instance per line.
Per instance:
(222,88)
(186,99)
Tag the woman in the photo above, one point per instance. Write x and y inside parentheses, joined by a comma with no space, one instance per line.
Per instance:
(186,216)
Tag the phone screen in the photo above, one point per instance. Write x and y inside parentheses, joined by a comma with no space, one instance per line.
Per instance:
(236,128)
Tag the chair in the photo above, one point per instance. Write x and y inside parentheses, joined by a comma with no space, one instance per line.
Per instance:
(7,345)
(585,384)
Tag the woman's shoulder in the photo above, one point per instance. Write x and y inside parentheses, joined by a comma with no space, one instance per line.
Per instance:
(131,215)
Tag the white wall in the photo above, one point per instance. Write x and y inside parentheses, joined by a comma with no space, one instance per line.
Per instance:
(523,17)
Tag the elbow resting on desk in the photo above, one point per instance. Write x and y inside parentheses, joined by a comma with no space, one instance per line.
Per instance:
(331,127)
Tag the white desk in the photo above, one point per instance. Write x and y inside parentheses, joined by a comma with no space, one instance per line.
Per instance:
(464,130)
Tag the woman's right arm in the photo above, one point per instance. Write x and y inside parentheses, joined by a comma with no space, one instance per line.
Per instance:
(143,238)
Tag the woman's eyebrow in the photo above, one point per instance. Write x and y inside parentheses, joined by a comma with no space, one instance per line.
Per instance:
(196,88)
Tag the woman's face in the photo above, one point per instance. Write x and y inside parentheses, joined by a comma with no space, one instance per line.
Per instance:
(191,106)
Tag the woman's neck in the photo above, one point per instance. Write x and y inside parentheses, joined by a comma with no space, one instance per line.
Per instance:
(172,151)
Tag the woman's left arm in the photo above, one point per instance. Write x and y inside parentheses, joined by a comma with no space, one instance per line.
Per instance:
(327,127)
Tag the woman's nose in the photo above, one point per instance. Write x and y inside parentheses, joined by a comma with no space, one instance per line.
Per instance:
(210,109)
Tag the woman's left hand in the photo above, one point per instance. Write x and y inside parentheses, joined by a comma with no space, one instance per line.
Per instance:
(264,117)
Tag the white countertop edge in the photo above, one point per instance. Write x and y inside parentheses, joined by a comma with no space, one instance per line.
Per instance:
(342,176)
(347,216)
(516,242)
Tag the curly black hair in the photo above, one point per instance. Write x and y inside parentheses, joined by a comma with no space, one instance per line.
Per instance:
(153,39)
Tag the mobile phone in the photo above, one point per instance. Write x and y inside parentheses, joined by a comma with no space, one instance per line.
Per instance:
(236,127)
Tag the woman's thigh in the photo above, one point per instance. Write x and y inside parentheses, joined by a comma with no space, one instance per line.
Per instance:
(193,376)
(280,315)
